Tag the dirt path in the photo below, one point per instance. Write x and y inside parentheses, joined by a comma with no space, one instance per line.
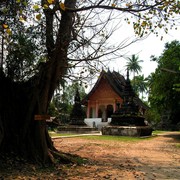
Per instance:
(155,158)
(150,159)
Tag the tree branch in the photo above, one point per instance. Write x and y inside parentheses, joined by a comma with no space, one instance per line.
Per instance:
(169,70)
(128,9)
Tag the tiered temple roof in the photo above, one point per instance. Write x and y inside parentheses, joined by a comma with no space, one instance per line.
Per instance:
(117,83)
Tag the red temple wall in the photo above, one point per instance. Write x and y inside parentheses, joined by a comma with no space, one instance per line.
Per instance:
(103,96)
(105,93)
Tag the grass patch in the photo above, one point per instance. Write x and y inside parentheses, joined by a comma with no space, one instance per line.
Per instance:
(112,138)
(178,145)
(55,134)
(159,132)
(99,137)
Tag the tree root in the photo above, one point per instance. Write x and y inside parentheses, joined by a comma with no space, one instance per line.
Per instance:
(66,158)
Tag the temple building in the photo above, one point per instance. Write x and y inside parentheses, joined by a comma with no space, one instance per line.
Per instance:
(106,97)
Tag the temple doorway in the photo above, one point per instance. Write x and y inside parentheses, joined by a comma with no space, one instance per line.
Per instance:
(109,110)
(102,113)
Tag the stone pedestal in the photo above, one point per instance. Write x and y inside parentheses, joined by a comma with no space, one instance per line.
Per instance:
(127,120)
(76,129)
(127,130)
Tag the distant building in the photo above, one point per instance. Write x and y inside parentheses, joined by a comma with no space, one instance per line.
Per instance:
(105,97)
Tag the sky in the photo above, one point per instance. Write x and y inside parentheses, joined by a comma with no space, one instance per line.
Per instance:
(151,45)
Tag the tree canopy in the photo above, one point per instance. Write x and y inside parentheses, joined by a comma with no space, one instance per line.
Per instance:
(163,96)
(140,85)
(133,64)
(93,24)
(63,101)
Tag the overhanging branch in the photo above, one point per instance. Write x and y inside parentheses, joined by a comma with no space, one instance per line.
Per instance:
(169,70)
(128,9)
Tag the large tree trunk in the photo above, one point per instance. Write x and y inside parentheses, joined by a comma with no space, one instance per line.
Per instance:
(20,133)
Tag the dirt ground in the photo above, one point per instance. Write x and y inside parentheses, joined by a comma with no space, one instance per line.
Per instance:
(155,158)
(148,159)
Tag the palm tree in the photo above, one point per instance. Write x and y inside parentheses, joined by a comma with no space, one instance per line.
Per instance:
(140,85)
(133,64)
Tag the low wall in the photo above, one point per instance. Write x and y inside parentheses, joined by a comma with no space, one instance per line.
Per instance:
(76,129)
(97,122)
(127,130)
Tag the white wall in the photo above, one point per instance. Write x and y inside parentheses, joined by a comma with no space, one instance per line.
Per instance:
(97,122)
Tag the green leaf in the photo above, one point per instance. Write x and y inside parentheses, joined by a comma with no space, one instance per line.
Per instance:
(36,7)
(45,6)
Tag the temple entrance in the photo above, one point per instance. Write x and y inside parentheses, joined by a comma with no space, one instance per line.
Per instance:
(109,110)
(92,113)
(102,113)
(105,112)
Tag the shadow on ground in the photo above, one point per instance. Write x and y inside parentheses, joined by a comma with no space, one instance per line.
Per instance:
(174,137)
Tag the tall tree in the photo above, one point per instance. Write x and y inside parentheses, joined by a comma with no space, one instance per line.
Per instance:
(75,32)
(140,85)
(133,64)
(163,97)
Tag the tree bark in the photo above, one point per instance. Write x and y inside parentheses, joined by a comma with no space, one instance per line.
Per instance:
(20,133)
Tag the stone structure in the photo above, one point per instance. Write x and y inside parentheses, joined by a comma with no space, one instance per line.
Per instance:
(77,116)
(128,113)
(127,120)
